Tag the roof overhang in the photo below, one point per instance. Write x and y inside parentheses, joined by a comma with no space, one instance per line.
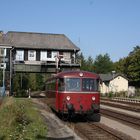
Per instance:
(5,46)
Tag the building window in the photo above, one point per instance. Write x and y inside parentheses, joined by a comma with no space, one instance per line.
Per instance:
(55,54)
(31,55)
(19,55)
(43,56)
(49,54)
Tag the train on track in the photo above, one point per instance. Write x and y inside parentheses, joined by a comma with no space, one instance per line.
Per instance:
(75,92)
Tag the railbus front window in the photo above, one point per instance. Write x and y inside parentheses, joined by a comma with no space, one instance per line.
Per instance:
(72,84)
(89,84)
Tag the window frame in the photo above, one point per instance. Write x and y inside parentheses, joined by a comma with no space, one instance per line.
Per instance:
(30,53)
(19,55)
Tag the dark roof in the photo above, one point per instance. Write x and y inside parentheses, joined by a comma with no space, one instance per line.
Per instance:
(4,41)
(40,41)
(109,76)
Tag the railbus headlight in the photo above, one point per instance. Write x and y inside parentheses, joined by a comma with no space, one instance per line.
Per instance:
(93,98)
(68,98)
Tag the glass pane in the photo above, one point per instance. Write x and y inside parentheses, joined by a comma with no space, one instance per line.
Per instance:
(20,55)
(31,55)
(49,54)
(72,84)
(89,84)
(61,85)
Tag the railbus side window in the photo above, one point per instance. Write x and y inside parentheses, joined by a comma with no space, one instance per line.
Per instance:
(61,85)
(96,84)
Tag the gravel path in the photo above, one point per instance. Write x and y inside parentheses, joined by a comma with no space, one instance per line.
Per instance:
(57,130)
(134,133)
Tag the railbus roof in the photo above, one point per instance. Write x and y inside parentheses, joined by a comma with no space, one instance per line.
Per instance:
(77,74)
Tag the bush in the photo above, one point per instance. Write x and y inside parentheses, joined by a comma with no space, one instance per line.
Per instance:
(21,93)
(137,92)
(110,94)
(19,120)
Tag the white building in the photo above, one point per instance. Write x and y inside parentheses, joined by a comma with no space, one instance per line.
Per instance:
(113,83)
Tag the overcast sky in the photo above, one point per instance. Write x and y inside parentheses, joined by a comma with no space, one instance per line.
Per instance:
(95,26)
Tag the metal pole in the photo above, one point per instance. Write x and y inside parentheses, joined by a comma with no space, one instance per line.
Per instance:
(11,70)
(3,81)
(74,56)
(4,74)
(57,61)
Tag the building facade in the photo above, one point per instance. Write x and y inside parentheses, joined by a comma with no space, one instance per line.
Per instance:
(42,52)
(35,53)
(113,83)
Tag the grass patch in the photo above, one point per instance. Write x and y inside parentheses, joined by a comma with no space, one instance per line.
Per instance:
(19,120)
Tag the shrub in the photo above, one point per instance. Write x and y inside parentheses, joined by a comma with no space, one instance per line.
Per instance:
(19,120)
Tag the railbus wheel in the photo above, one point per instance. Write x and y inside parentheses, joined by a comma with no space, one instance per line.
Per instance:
(95,117)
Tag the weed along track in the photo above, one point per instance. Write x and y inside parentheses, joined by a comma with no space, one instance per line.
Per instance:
(57,129)
(20,120)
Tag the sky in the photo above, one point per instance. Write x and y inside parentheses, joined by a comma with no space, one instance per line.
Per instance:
(95,26)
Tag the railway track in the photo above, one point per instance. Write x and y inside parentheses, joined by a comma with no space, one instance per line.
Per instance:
(127,100)
(130,117)
(131,106)
(89,130)
(122,100)
(98,131)
(126,118)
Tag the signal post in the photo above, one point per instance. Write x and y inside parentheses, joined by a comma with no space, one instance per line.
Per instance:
(5,65)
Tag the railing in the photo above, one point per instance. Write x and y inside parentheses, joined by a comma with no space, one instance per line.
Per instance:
(63,61)
(127,99)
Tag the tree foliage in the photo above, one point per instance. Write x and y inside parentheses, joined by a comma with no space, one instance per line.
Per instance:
(34,81)
(130,66)
(83,61)
(86,64)
(103,64)
(90,64)
(134,65)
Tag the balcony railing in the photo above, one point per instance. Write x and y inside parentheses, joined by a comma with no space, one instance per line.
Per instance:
(62,61)
(45,66)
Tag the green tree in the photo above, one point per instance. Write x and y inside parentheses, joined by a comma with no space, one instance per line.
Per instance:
(83,61)
(135,50)
(133,72)
(103,64)
(130,66)
(32,81)
(17,82)
(39,81)
(25,81)
(90,64)
(120,66)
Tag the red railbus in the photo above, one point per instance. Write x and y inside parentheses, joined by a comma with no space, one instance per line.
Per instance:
(75,92)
